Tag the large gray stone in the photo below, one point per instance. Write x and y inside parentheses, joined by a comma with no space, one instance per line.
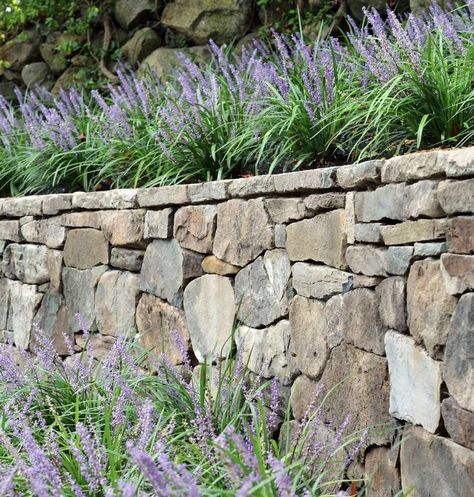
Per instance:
(210,311)
(458,272)
(141,44)
(283,210)
(85,248)
(36,74)
(21,206)
(163,195)
(391,293)
(115,301)
(459,422)
(368,232)
(306,181)
(130,260)
(434,466)
(28,263)
(261,289)
(244,231)
(131,13)
(457,196)
(411,167)
(10,230)
(321,238)
(319,282)
(123,227)
(359,175)
(309,348)
(194,227)
(159,224)
(376,261)
(55,203)
(459,353)
(112,199)
(415,382)
(45,232)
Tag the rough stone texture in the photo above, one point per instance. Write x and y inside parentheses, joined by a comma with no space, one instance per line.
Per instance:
(375,261)
(434,466)
(131,13)
(461,235)
(283,210)
(359,175)
(115,302)
(368,232)
(321,238)
(141,44)
(416,166)
(45,232)
(458,272)
(303,391)
(429,306)
(158,323)
(55,266)
(333,313)
(306,181)
(350,218)
(130,260)
(265,351)
(414,231)
(10,230)
(122,228)
(410,399)
(4,301)
(459,356)
(244,231)
(422,200)
(99,346)
(309,348)
(211,264)
(324,202)
(251,187)
(159,224)
(113,199)
(28,263)
(79,294)
(194,227)
(391,293)
(21,206)
(398,259)
(319,282)
(165,195)
(81,220)
(261,289)
(433,249)
(382,473)
(457,196)
(85,248)
(280,236)
(203,192)
(210,311)
(459,423)
(54,204)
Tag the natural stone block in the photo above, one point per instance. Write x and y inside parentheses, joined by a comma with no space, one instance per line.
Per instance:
(303,391)
(4,301)
(368,232)
(381,472)
(435,466)
(28,263)
(459,422)
(320,202)
(80,220)
(45,232)
(162,328)
(99,345)
(261,289)
(410,399)
(319,282)
(429,306)
(321,239)
(350,217)
(194,227)
(309,348)
(458,272)
(375,261)
(211,264)
(334,316)
(210,311)
(283,210)
(85,248)
(112,199)
(457,197)
(54,204)
(391,293)
(244,231)
(10,230)
(458,357)
(203,192)
(422,200)
(398,259)
(461,235)
(414,231)
(251,187)
(458,161)
(130,260)
(123,228)
(265,351)
(430,249)
(162,196)
(362,281)
(360,175)
(306,181)
(420,165)
(115,301)
(21,206)
(159,224)
(280,236)
(55,266)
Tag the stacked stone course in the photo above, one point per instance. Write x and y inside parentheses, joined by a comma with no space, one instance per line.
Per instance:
(359,277)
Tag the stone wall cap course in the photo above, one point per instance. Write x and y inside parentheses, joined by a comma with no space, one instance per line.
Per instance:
(163,196)
(21,206)
(360,175)
(112,199)
(54,204)
(306,181)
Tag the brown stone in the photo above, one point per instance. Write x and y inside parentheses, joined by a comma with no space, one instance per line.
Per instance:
(461,235)
(10,230)
(458,272)
(85,248)
(211,264)
(381,472)
(459,423)
(80,220)
(125,227)
(414,231)
(194,227)
(282,210)
(99,347)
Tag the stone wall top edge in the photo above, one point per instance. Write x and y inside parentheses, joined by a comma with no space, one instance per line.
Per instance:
(445,163)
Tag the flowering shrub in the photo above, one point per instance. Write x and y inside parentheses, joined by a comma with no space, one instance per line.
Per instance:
(389,87)
(80,428)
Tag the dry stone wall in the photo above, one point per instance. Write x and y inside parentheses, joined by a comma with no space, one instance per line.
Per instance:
(360,276)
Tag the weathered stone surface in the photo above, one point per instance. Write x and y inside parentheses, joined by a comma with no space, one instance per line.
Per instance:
(359,175)
(211,264)
(429,306)
(415,166)
(80,219)
(113,199)
(391,294)
(324,202)
(461,235)
(123,228)
(283,210)
(141,44)
(375,261)
(99,345)
(303,391)
(130,260)
(21,206)
(309,348)
(115,301)
(131,13)
(79,294)
(265,351)
(306,181)
(398,259)
(210,311)
(20,50)
(10,230)
(261,289)
(457,196)
(55,266)
(24,301)
(159,224)
(251,187)
(459,356)
(280,236)
(36,74)
(28,263)
(203,192)
(458,272)
(458,161)
(319,282)
(333,314)
(53,204)
(321,238)
(164,195)
(410,399)
(433,249)
(85,248)
(244,231)
(459,423)
(414,231)
(368,232)
(422,200)
(194,227)
(45,232)
(435,466)
(381,472)
(4,302)
(350,217)
(200,21)
(161,326)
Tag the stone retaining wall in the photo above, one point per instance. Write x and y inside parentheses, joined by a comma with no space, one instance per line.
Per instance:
(363,273)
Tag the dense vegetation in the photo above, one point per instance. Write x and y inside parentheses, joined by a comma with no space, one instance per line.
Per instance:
(389,87)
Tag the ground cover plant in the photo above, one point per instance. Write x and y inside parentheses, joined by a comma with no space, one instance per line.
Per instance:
(81,428)
(388,87)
